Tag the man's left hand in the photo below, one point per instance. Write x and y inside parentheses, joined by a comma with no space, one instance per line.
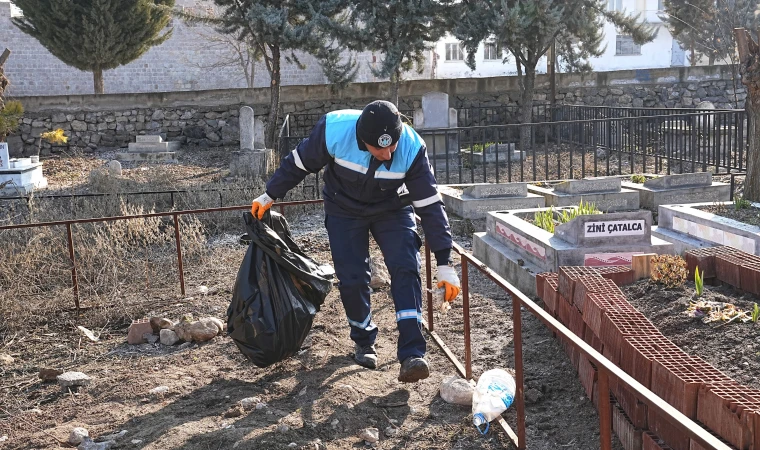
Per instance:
(449,281)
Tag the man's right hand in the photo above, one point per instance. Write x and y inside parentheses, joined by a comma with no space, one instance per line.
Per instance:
(261,205)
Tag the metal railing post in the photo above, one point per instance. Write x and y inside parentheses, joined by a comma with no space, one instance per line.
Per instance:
(72,258)
(519,376)
(605,413)
(429,286)
(466,317)
(180,265)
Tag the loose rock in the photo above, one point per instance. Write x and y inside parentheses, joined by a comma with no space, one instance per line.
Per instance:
(3,438)
(49,374)
(283,428)
(73,379)
(88,444)
(370,435)
(160,390)
(160,323)
(6,360)
(77,435)
(200,330)
(235,411)
(169,337)
(391,431)
(260,406)
(150,338)
(250,402)
(292,445)
(532,395)
(457,391)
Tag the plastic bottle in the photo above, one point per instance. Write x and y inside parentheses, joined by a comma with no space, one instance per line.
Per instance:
(493,394)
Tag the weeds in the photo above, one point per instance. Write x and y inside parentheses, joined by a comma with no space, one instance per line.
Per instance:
(548,219)
(755,313)
(638,179)
(741,203)
(669,270)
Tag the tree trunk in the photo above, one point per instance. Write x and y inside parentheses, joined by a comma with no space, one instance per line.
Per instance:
(274,100)
(693,59)
(526,106)
(749,68)
(395,82)
(97,78)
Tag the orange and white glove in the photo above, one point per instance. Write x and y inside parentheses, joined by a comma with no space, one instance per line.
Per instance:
(449,281)
(261,205)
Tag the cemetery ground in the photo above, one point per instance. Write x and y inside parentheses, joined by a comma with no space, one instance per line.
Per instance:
(318,396)
(317,399)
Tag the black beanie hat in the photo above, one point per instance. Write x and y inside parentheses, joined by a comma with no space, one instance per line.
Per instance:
(379,124)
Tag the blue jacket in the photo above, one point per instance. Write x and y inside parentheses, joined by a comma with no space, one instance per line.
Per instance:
(358,185)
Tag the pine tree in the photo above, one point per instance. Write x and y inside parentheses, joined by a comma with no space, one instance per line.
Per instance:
(338,71)
(96,35)
(527,29)
(402,30)
(705,27)
(278,28)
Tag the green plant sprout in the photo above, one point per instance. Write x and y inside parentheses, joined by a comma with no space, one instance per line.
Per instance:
(741,203)
(755,313)
(638,179)
(698,282)
(546,219)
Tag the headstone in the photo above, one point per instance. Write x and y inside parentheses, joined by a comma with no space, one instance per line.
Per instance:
(501,148)
(497,190)
(114,168)
(435,108)
(699,179)
(705,105)
(149,139)
(259,138)
(246,128)
(419,119)
(589,185)
(4,156)
(453,118)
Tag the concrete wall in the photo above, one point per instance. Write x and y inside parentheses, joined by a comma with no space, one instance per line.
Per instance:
(210,116)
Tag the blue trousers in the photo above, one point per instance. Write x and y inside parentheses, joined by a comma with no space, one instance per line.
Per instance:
(396,234)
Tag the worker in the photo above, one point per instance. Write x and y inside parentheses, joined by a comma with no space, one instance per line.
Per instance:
(377,175)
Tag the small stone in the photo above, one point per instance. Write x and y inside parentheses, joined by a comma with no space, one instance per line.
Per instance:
(135,441)
(334,423)
(6,360)
(370,435)
(112,437)
(35,411)
(73,379)
(292,445)
(150,338)
(235,411)
(49,374)
(77,435)
(160,390)
(3,438)
(391,431)
(283,428)
(533,395)
(168,337)
(114,168)
(184,346)
(249,402)
(260,406)
(457,391)
(88,444)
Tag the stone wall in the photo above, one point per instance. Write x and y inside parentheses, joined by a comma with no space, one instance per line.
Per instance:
(209,118)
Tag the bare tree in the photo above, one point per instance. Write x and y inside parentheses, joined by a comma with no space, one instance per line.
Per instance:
(230,53)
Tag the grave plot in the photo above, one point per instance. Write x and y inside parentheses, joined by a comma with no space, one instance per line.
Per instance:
(606,193)
(492,154)
(473,201)
(679,189)
(20,176)
(150,148)
(698,225)
(517,249)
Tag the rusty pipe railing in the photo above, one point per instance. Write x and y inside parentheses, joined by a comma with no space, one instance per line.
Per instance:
(604,366)
(177,233)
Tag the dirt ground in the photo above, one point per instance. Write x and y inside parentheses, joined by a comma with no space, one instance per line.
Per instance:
(321,395)
(732,348)
(750,215)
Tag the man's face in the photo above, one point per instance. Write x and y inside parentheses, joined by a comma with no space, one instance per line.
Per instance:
(382,153)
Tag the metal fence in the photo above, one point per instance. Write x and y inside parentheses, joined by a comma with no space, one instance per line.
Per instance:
(606,369)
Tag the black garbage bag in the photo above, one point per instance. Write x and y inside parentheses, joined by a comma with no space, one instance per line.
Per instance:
(277,293)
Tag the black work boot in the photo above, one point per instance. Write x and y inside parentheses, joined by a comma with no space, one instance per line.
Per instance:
(413,369)
(366,356)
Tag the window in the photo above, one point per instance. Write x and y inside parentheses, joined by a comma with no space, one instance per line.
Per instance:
(624,46)
(490,51)
(614,5)
(454,52)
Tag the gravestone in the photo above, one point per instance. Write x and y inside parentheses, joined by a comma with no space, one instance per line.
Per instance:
(473,201)
(19,176)
(259,137)
(114,168)
(246,128)
(680,189)
(495,153)
(517,250)
(150,148)
(605,193)
(436,114)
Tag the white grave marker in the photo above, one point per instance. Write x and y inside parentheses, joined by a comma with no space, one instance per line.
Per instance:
(4,156)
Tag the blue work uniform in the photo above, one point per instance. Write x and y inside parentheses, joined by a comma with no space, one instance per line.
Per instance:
(363,195)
